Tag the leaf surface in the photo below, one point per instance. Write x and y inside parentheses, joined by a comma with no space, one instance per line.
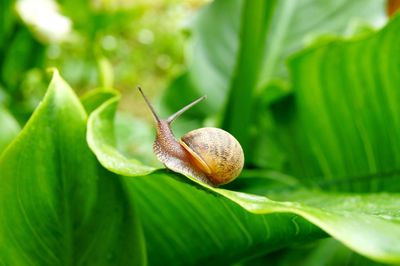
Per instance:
(58,206)
(101,138)
(188,224)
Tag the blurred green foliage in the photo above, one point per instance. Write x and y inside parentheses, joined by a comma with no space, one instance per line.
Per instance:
(142,43)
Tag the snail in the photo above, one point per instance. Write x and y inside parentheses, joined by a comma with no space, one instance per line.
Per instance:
(208,154)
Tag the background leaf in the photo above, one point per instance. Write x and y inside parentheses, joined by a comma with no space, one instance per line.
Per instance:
(340,130)
(255,24)
(296,23)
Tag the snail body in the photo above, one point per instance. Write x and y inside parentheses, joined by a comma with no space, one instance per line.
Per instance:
(208,154)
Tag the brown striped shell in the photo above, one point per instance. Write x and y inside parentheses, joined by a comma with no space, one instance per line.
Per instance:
(216,152)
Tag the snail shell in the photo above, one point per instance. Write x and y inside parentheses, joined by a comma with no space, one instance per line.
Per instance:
(216,152)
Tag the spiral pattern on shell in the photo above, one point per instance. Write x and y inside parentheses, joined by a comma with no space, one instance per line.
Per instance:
(216,152)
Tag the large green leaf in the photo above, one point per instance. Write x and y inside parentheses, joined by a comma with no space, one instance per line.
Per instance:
(340,131)
(186,224)
(58,206)
(9,128)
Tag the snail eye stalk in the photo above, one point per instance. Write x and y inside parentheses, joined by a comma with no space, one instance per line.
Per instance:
(184,109)
(156,117)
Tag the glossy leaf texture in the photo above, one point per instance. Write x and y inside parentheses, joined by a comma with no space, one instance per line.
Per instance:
(366,223)
(58,206)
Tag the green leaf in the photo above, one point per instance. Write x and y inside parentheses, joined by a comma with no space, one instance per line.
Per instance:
(368,224)
(133,138)
(187,224)
(101,139)
(340,131)
(58,206)
(255,23)
(9,128)
(296,22)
